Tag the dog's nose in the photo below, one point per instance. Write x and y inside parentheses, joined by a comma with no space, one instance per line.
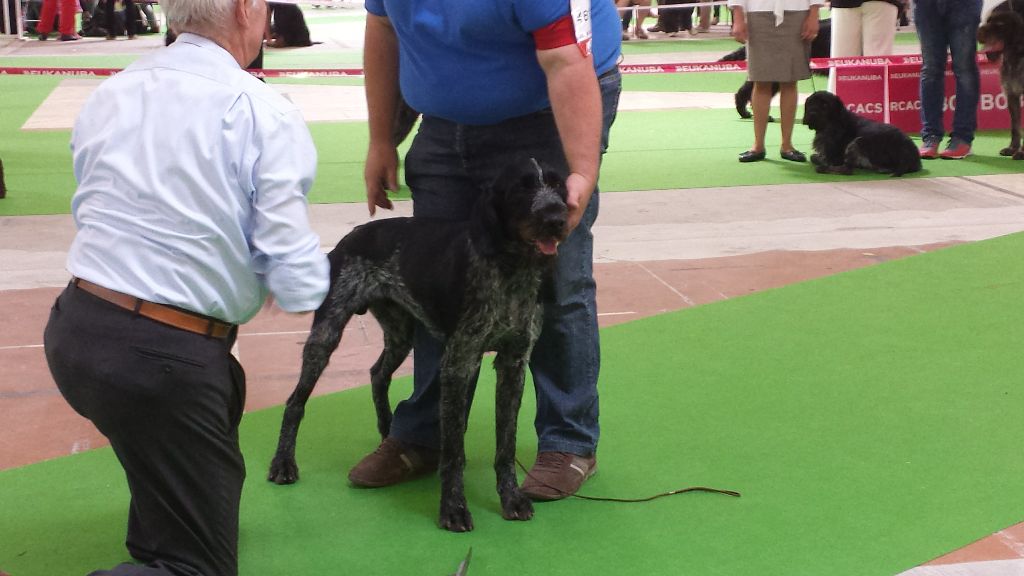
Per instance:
(553,216)
(550,211)
(555,222)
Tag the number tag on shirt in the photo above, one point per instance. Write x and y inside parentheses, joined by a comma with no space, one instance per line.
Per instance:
(580,10)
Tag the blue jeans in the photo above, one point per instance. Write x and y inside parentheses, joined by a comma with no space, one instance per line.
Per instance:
(447,168)
(952,24)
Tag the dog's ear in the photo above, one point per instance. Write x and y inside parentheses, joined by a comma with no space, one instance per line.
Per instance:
(556,182)
(485,226)
(828,101)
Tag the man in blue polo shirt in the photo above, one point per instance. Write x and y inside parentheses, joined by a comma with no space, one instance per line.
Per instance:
(498,79)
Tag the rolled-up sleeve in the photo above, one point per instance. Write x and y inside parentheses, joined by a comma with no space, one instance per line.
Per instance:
(286,251)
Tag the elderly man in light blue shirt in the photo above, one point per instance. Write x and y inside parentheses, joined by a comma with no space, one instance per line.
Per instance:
(191,209)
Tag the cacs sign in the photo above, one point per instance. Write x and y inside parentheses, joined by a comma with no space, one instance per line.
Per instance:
(891,94)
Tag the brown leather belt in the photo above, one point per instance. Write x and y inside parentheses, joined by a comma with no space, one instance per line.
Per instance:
(159,312)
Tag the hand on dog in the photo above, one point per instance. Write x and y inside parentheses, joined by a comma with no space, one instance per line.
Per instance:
(380,175)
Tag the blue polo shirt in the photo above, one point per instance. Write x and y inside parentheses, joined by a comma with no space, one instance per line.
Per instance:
(475,62)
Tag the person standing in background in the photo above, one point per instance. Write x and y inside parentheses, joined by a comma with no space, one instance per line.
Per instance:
(778,35)
(862,28)
(66,24)
(642,12)
(948,27)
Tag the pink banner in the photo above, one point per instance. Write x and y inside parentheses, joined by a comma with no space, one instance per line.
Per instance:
(891,94)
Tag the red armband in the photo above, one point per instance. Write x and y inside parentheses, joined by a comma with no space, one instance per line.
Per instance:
(555,35)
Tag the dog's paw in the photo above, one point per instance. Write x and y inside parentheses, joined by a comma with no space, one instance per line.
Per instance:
(283,470)
(516,506)
(1010,151)
(455,516)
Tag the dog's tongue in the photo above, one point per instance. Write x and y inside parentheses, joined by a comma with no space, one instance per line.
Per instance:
(548,247)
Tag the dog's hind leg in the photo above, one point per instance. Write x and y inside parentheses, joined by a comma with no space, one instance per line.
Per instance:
(511,374)
(742,98)
(460,365)
(1014,149)
(854,157)
(398,326)
(323,340)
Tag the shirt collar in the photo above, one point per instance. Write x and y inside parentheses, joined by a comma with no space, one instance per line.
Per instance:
(206,43)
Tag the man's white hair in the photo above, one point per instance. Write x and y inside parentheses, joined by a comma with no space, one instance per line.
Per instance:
(199,16)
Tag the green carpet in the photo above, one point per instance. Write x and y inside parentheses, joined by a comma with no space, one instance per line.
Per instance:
(650,150)
(871,421)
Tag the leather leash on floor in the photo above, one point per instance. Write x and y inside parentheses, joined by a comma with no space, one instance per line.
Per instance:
(634,500)
(463,566)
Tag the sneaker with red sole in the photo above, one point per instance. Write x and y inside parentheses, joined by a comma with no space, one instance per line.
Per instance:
(956,149)
(556,475)
(929,149)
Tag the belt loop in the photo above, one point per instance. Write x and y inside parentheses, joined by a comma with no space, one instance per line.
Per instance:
(138,306)
(209,323)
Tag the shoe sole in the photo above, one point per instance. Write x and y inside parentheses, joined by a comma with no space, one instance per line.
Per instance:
(359,483)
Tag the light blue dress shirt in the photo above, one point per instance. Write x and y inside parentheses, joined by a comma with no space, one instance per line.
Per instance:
(192,182)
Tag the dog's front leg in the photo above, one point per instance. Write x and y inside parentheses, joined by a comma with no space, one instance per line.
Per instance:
(459,368)
(323,339)
(511,373)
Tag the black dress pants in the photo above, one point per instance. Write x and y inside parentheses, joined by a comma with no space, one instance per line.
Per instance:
(131,17)
(170,402)
(675,19)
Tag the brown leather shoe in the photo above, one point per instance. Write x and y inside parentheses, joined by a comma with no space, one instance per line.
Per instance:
(557,475)
(394,462)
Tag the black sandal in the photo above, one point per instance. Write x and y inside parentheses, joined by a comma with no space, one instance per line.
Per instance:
(752,156)
(794,155)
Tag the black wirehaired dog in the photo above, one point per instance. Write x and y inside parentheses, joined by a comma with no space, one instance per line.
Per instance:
(844,141)
(821,47)
(1003,32)
(474,285)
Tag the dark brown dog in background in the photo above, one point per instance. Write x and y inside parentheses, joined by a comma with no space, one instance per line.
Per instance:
(1003,33)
